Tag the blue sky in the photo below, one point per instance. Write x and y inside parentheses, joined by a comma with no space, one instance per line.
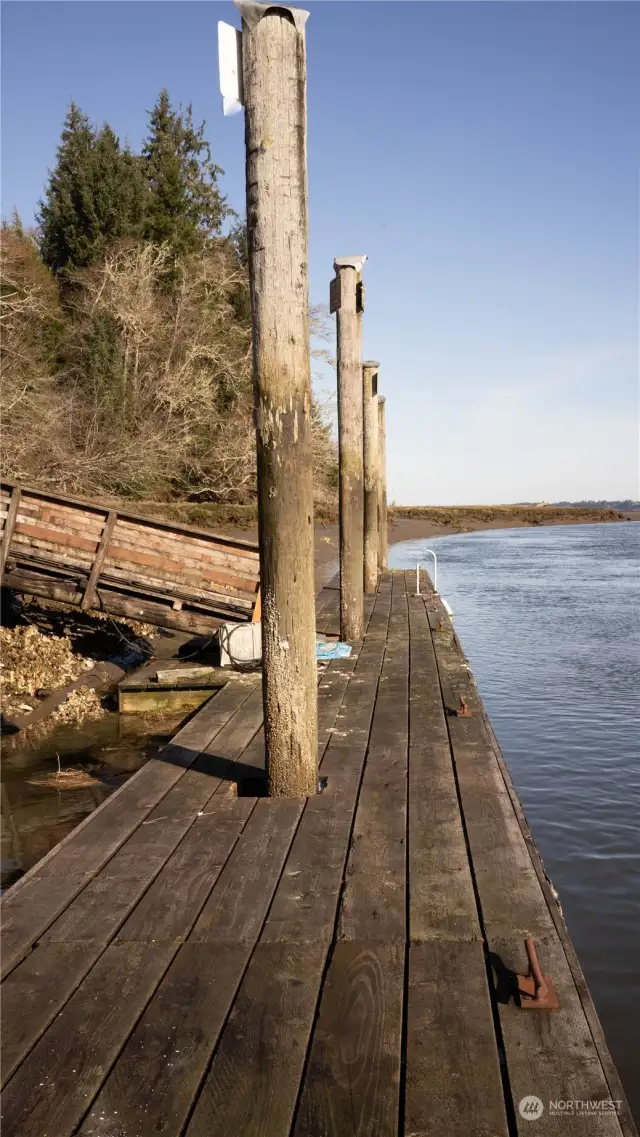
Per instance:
(484,156)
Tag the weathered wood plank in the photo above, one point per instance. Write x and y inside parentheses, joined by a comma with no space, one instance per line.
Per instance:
(152,1086)
(326,617)
(374,898)
(305,903)
(453,1080)
(96,568)
(145,523)
(236,908)
(34,993)
(351,1085)
(442,902)
(52,1089)
(512,901)
(9,526)
(252,1086)
(552,1054)
(172,903)
(616,1090)
(103,906)
(547,1053)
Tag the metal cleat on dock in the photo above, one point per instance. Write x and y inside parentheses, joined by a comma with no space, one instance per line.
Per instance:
(536,992)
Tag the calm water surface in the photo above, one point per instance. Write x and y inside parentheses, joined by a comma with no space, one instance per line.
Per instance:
(550,620)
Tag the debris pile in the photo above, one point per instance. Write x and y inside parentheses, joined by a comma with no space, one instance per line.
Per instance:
(32,662)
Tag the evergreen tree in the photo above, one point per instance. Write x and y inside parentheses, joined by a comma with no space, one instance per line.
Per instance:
(67,216)
(185,206)
(96,196)
(119,192)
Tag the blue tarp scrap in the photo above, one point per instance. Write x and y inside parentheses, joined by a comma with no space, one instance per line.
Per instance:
(325,649)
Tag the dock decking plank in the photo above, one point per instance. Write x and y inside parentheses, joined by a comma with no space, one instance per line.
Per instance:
(99,910)
(453,1081)
(305,902)
(189,1008)
(442,903)
(374,898)
(174,900)
(51,1090)
(352,1081)
(252,1086)
(240,900)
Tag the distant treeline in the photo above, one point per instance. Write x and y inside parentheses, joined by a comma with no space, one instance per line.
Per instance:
(627,505)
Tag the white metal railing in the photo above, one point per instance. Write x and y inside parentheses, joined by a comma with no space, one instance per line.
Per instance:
(435,573)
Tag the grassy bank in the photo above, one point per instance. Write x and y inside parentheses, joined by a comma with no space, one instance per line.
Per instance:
(212,515)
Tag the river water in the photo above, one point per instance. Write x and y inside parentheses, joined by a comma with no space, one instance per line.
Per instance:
(550,621)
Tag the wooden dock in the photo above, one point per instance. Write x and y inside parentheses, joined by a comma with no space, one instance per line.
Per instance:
(192,962)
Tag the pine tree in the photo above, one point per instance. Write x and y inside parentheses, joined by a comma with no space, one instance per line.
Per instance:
(67,216)
(96,196)
(185,206)
(119,192)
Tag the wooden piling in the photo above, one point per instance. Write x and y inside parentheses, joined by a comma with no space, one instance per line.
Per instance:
(274,70)
(344,301)
(371,465)
(383,546)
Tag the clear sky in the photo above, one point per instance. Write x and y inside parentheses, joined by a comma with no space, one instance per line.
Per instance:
(484,156)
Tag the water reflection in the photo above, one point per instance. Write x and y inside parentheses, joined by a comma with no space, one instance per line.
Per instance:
(52,779)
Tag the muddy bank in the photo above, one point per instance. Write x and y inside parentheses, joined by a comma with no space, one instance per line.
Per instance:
(442,522)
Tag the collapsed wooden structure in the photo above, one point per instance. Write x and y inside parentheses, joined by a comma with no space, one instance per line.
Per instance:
(122,564)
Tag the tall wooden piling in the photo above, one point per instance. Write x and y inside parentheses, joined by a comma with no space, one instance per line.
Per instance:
(344,301)
(383,547)
(371,462)
(274,72)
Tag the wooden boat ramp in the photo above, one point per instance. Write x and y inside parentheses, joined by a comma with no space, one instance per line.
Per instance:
(196,959)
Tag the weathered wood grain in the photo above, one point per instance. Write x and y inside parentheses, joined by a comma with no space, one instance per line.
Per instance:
(370,472)
(151,1088)
(374,898)
(9,526)
(236,908)
(53,1088)
(453,1080)
(305,903)
(252,1086)
(442,902)
(351,1085)
(350,469)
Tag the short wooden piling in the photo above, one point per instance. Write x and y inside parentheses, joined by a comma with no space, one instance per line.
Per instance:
(383,546)
(344,301)
(274,69)
(371,466)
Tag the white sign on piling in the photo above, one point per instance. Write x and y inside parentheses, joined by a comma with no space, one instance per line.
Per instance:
(230,65)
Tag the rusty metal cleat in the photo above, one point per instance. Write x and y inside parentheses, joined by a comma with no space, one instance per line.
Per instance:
(535,990)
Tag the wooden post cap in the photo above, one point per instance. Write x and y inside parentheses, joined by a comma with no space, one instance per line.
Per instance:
(371,364)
